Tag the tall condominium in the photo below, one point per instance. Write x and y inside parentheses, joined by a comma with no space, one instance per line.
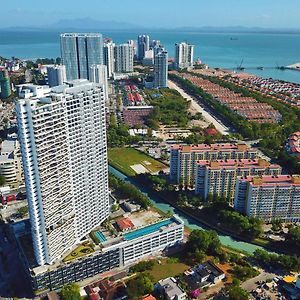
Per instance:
(63,145)
(218,177)
(143,45)
(79,51)
(5,89)
(123,58)
(56,75)
(161,70)
(269,197)
(157,49)
(183,160)
(98,74)
(109,58)
(184,55)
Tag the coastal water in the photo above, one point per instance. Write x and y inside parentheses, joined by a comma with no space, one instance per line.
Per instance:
(222,50)
(189,222)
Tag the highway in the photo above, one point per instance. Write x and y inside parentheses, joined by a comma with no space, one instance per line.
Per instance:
(224,130)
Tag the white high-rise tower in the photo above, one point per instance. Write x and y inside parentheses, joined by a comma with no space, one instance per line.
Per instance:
(161,70)
(64,152)
(184,56)
(98,74)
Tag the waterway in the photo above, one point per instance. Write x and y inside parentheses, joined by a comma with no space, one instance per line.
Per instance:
(189,222)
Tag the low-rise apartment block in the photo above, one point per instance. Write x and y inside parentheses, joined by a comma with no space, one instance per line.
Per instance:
(218,177)
(184,158)
(106,251)
(269,197)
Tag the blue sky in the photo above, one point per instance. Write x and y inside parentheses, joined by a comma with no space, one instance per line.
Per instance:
(155,13)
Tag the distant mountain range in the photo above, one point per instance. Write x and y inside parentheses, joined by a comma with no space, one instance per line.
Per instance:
(88,24)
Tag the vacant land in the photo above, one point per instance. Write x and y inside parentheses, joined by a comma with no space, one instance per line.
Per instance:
(167,269)
(127,159)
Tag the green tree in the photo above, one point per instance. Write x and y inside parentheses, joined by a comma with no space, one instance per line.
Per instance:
(235,292)
(70,291)
(139,286)
(2,180)
(293,238)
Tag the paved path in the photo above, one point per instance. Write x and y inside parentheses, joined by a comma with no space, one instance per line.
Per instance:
(209,118)
(250,284)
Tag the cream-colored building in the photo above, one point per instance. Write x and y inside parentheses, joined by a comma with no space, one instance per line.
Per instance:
(219,177)
(10,162)
(184,158)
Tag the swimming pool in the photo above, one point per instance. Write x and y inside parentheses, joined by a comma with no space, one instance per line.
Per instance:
(100,236)
(147,230)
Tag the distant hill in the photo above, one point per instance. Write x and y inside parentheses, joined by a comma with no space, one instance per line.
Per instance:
(89,24)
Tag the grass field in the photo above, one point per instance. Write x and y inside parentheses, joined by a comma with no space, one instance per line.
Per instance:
(166,269)
(123,158)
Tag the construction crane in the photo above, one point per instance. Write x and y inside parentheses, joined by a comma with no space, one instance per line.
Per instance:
(240,66)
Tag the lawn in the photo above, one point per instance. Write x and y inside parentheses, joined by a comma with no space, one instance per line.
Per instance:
(167,269)
(123,158)
(82,250)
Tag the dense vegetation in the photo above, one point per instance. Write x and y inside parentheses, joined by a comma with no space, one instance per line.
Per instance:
(127,190)
(140,286)
(272,136)
(70,292)
(169,109)
(235,292)
(293,238)
(118,136)
(243,225)
(142,266)
(284,262)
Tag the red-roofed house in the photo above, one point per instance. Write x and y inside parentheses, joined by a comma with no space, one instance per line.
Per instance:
(125,224)
(148,297)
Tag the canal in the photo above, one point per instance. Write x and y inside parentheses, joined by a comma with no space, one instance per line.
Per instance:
(189,222)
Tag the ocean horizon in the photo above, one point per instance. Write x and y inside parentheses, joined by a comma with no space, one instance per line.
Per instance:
(223,50)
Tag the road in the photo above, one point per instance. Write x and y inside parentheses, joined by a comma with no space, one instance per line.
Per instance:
(195,105)
(250,284)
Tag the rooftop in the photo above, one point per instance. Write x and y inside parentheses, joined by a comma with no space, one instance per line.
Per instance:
(278,180)
(212,147)
(170,287)
(237,163)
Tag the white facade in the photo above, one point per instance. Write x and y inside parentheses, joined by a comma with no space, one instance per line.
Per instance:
(98,74)
(184,55)
(161,70)
(123,58)
(26,91)
(63,145)
(56,75)
(269,197)
(146,245)
(143,45)
(109,58)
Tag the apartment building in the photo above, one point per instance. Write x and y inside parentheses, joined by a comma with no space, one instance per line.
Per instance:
(113,252)
(184,56)
(184,158)
(63,144)
(79,51)
(218,177)
(123,55)
(269,197)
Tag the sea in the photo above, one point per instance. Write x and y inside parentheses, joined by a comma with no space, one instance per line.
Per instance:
(223,50)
